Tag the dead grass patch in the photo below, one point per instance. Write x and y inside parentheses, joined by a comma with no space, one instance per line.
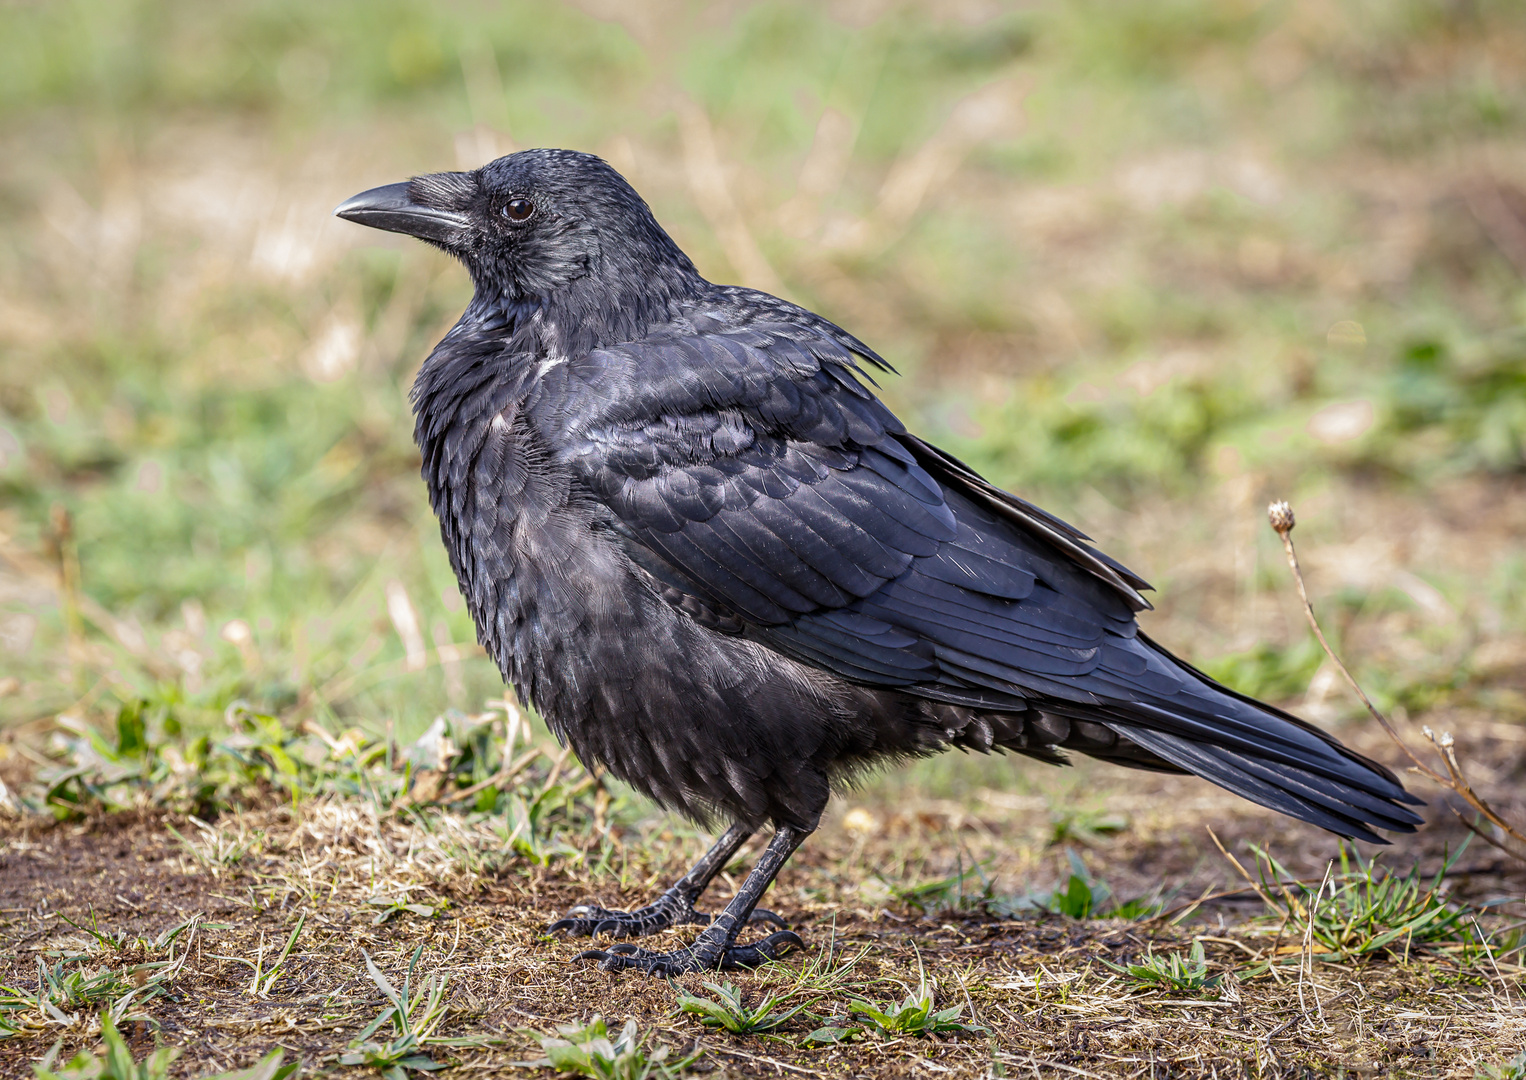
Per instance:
(283,908)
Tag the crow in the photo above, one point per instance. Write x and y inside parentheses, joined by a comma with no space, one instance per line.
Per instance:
(693,538)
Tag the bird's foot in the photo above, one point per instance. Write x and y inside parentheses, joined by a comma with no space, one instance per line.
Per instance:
(673,908)
(710,952)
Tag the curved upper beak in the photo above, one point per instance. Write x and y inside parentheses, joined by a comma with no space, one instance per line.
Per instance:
(389,207)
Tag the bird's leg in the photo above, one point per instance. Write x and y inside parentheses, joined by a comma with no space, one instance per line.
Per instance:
(716,947)
(673,908)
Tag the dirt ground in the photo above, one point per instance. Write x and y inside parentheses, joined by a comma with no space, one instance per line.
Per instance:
(1035,982)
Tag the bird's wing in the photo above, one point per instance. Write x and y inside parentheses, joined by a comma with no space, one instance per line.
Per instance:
(759,481)
(768,492)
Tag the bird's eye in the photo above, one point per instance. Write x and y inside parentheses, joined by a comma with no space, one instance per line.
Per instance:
(518,209)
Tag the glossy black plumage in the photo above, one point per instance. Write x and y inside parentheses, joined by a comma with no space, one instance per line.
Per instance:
(695,540)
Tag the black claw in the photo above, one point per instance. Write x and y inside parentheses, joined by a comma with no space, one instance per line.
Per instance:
(592,954)
(786,938)
(562,924)
(773,947)
(759,915)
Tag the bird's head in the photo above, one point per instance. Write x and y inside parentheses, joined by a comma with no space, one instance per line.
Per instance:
(537,226)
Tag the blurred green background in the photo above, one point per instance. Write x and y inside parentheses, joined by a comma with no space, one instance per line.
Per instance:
(1150,263)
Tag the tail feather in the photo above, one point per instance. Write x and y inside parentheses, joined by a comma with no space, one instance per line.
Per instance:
(1258,752)
(1287,789)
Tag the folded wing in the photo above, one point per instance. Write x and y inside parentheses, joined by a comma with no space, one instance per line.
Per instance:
(767,491)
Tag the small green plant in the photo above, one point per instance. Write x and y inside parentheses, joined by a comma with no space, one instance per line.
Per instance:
(389,907)
(1514,1069)
(70,984)
(915,1015)
(13,1002)
(263,978)
(415,1015)
(260,985)
(219,851)
(73,983)
(122,940)
(269,1067)
(1362,910)
(589,1051)
(827,971)
(1083,826)
(1079,898)
(1171,971)
(526,832)
(117,1064)
(1084,896)
(727,1010)
(951,893)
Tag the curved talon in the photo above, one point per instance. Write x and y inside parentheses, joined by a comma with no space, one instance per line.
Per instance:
(592,954)
(774,947)
(759,915)
(584,920)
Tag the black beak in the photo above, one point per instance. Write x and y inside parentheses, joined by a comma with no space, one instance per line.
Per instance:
(390,208)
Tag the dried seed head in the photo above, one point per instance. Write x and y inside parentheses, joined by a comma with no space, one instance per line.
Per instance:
(1280,514)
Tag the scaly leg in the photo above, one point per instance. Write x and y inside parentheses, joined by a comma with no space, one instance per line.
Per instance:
(673,908)
(716,947)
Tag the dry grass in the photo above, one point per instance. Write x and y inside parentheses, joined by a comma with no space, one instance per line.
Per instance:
(418,887)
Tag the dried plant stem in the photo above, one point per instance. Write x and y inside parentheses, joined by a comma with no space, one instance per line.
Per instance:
(1280,514)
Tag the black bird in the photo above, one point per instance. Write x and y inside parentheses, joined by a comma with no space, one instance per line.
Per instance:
(693,538)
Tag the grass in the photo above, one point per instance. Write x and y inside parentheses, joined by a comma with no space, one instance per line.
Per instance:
(915,1015)
(190,411)
(1149,264)
(1360,909)
(118,1063)
(1514,1069)
(480,985)
(413,1017)
(590,1051)
(727,1010)
(1171,971)
(1080,895)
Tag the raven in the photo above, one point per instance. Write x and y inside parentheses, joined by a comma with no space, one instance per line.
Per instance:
(699,545)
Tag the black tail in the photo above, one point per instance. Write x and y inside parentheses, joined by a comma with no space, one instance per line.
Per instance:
(1177,714)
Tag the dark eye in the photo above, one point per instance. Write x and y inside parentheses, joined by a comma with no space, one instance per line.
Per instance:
(518,209)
